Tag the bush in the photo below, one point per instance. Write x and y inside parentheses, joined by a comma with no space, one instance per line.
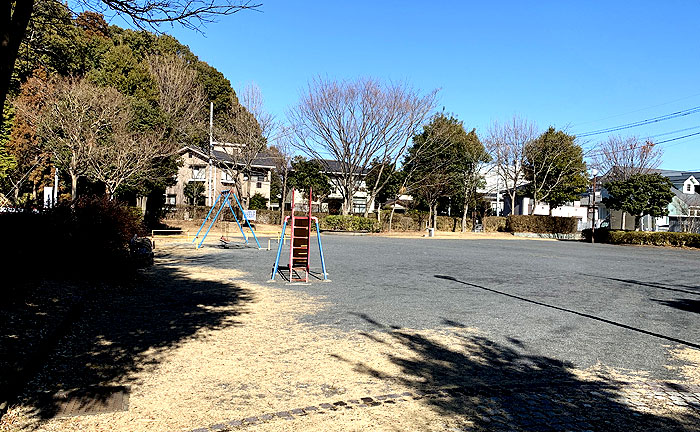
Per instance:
(494,223)
(541,224)
(604,235)
(88,238)
(258,202)
(348,223)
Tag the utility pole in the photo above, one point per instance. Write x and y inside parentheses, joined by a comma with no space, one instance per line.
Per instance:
(593,217)
(210,180)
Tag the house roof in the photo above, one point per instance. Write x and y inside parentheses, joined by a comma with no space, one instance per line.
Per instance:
(692,200)
(335,167)
(262,160)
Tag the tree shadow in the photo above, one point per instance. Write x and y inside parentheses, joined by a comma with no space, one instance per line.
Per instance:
(690,289)
(681,304)
(492,386)
(130,328)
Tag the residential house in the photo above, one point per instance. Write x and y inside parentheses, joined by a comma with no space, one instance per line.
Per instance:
(683,211)
(195,168)
(333,202)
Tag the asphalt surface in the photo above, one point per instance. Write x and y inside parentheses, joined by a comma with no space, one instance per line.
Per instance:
(622,306)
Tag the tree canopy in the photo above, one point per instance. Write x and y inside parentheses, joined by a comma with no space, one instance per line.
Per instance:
(166,87)
(640,194)
(555,168)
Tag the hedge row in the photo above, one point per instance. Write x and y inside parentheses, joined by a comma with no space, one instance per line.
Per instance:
(348,223)
(541,224)
(494,223)
(604,235)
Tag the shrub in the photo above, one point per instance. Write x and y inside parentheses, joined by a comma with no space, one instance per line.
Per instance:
(258,202)
(603,235)
(541,224)
(348,223)
(494,223)
(89,237)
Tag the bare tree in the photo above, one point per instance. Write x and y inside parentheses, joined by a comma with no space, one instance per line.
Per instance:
(242,134)
(354,122)
(282,155)
(76,116)
(620,158)
(15,16)
(180,97)
(124,154)
(506,143)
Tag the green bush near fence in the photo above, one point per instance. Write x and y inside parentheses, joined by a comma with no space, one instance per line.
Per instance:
(541,224)
(677,239)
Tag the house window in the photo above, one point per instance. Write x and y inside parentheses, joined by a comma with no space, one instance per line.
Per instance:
(199,173)
(226,176)
(687,187)
(170,199)
(359,205)
(258,185)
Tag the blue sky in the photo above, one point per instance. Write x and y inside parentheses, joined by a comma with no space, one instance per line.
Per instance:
(578,65)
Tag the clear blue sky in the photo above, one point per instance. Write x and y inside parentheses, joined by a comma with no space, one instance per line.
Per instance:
(581,65)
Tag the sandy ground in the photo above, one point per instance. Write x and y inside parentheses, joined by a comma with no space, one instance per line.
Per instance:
(270,361)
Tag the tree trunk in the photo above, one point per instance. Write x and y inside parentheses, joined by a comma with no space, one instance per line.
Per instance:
(430,214)
(623,227)
(347,205)
(391,216)
(366,212)
(464,215)
(13,26)
(73,185)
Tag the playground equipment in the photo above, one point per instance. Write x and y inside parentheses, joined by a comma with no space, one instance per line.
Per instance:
(299,246)
(226,195)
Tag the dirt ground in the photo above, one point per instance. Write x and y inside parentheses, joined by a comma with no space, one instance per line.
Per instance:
(261,358)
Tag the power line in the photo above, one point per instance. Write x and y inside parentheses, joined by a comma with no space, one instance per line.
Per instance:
(673,132)
(636,111)
(652,120)
(600,152)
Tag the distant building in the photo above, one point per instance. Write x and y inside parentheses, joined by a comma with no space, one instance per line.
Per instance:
(194,167)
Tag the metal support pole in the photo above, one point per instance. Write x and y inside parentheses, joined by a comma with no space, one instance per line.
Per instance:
(238,223)
(206,218)
(223,204)
(279,250)
(247,222)
(593,217)
(320,250)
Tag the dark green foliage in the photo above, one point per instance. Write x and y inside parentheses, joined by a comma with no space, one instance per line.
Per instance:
(88,238)
(309,174)
(257,202)
(194,192)
(555,168)
(391,188)
(349,223)
(641,194)
(677,239)
(541,224)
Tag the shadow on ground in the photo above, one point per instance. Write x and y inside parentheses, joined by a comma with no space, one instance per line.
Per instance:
(127,329)
(681,304)
(495,387)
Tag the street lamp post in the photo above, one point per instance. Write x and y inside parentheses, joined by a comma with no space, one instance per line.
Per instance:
(594,172)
